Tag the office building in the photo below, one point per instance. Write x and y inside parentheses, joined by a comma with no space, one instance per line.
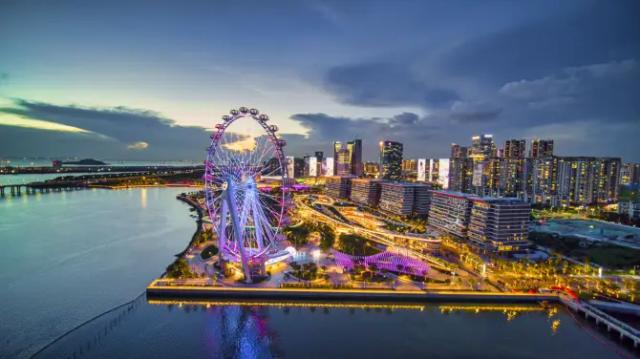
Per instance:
(499,224)
(494,224)
(460,169)
(371,169)
(328,167)
(404,199)
(449,212)
(337,146)
(422,170)
(355,153)
(338,186)
(290,166)
(434,171)
(365,191)
(310,166)
(348,158)
(390,160)
(319,162)
(298,167)
(343,162)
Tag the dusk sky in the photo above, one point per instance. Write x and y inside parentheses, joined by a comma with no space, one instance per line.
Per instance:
(147,80)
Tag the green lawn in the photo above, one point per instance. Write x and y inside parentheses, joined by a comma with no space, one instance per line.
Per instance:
(606,255)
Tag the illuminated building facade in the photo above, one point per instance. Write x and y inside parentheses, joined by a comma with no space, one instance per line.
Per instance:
(449,212)
(355,154)
(371,169)
(404,199)
(541,148)
(365,191)
(338,186)
(588,180)
(499,224)
(630,174)
(391,160)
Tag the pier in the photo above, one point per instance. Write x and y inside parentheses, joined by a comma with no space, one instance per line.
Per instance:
(601,318)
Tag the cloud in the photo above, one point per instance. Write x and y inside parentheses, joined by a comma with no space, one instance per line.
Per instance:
(606,90)
(474,111)
(140,145)
(115,132)
(596,32)
(571,82)
(384,84)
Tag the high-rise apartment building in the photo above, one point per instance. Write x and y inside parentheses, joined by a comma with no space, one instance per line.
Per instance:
(390,160)
(541,148)
(630,174)
(543,181)
(482,147)
(588,180)
(629,202)
(515,149)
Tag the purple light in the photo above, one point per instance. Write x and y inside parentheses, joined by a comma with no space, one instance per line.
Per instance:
(392,262)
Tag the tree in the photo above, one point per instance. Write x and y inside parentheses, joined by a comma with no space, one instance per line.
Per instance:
(179,269)
(327,236)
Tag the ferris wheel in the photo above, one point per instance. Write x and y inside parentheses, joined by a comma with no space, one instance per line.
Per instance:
(247,219)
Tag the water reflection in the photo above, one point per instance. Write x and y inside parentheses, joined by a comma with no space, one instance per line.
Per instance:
(143,198)
(283,329)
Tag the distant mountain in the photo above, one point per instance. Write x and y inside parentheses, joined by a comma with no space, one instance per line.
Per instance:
(85,162)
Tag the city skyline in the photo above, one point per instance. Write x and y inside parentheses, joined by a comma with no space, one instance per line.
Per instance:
(141,90)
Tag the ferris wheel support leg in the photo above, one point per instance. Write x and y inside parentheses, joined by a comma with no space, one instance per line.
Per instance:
(222,227)
(257,223)
(237,231)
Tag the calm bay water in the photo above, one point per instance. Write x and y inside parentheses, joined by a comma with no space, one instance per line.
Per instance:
(67,257)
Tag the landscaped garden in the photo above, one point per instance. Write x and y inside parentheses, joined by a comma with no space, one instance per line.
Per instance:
(356,245)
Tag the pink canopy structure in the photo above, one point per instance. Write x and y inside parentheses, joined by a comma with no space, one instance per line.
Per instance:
(392,262)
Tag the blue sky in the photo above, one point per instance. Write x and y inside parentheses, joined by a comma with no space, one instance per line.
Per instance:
(97,78)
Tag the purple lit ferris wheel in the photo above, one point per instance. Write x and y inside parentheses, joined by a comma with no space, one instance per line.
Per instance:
(246,219)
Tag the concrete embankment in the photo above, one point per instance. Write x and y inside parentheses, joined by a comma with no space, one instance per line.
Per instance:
(154,291)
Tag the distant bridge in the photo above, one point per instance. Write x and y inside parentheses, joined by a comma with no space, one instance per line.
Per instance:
(42,187)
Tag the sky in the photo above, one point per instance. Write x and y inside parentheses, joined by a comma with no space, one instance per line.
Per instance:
(148,80)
